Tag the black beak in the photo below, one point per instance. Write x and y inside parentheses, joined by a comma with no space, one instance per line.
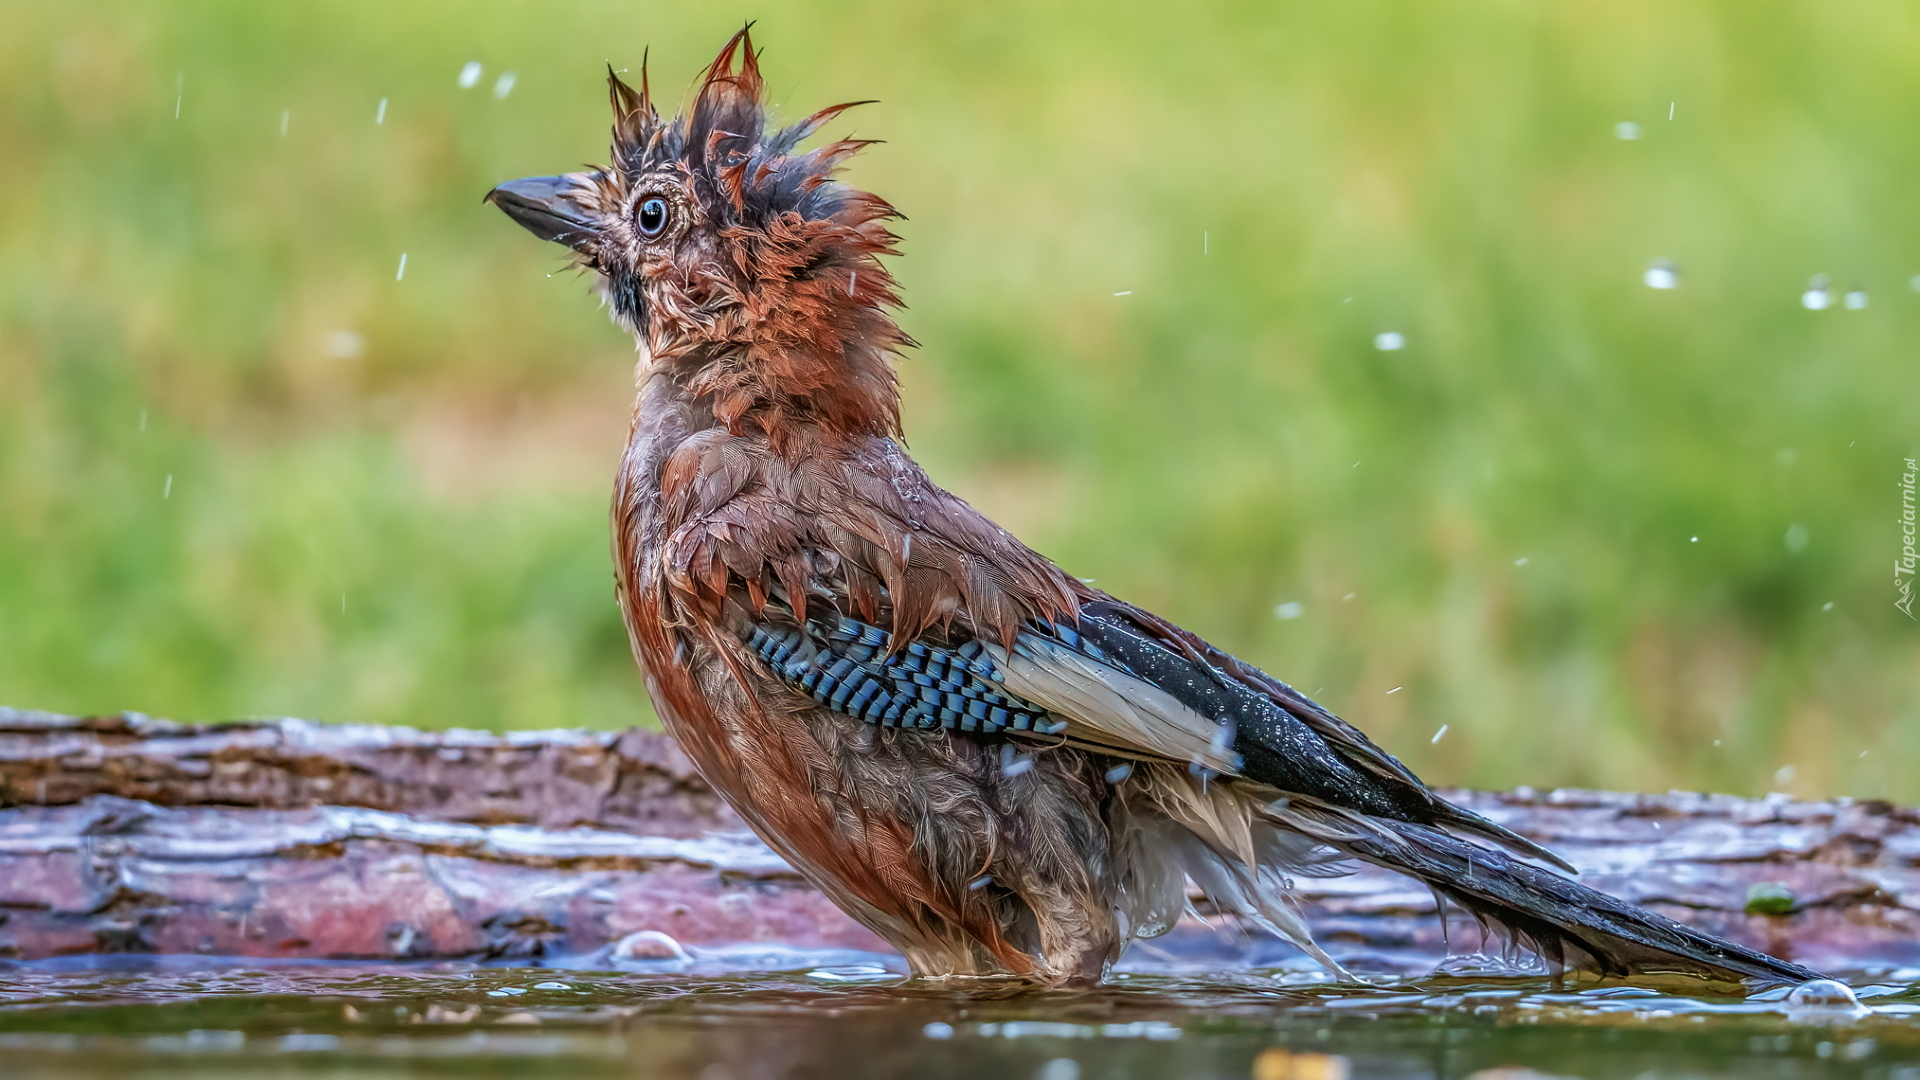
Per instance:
(543,205)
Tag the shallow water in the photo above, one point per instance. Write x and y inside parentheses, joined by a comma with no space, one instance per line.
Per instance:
(852,1017)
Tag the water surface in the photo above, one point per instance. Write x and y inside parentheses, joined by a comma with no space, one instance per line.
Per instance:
(850,1016)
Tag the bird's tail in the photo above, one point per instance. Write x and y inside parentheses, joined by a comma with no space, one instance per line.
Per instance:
(1566,923)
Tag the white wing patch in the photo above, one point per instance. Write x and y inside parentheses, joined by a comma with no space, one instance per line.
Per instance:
(1127,710)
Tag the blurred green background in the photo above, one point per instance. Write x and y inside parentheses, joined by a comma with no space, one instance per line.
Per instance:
(246,468)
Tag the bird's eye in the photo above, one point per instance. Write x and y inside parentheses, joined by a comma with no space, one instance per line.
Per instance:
(653,216)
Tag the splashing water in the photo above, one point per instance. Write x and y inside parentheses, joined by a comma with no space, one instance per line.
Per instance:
(345,344)
(1818,296)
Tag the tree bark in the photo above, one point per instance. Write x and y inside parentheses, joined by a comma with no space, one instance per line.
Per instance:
(290,839)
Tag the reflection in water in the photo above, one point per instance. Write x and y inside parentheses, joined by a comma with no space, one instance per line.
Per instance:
(848,1016)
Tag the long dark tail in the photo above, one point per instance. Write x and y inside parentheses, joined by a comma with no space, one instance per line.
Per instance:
(1568,924)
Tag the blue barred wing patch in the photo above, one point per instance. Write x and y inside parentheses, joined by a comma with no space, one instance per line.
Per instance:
(847,668)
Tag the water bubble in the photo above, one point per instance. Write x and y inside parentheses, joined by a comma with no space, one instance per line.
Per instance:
(1796,538)
(1818,296)
(1626,129)
(470,74)
(1389,341)
(1662,275)
(345,344)
(1824,994)
(648,945)
(937,1030)
(504,85)
(1856,300)
(1059,1069)
(1289,610)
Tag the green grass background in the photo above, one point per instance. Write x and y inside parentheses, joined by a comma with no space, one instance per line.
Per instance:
(205,513)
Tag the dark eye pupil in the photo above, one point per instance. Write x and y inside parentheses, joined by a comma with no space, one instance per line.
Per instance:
(653,216)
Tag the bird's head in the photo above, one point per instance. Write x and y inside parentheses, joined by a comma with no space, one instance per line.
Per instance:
(742,267)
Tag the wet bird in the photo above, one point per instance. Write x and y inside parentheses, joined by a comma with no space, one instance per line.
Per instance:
(995,766)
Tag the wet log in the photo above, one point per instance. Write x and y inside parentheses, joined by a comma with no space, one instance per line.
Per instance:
(297,840)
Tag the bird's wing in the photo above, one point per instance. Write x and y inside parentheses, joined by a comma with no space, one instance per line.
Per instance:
(862,584)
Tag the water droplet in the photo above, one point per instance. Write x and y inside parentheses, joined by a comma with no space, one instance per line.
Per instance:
(1770,898)
(1694,540)
(401,274)
(1662,275)
(1856,300)
(1126,292)
(1289,610)
(166,490)
(1626,129)
(345,344)
(1349,596)
(470,75)
(1828,606)
(1438,735)
(1389,341)
(1818,296)
(937,1030)
(1396,689)
(380,114)
(980,882)
(504,84)
(1914,283)
(1796,538)
(285,115)
(1521,561)
(1783,775)
(1119,772)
